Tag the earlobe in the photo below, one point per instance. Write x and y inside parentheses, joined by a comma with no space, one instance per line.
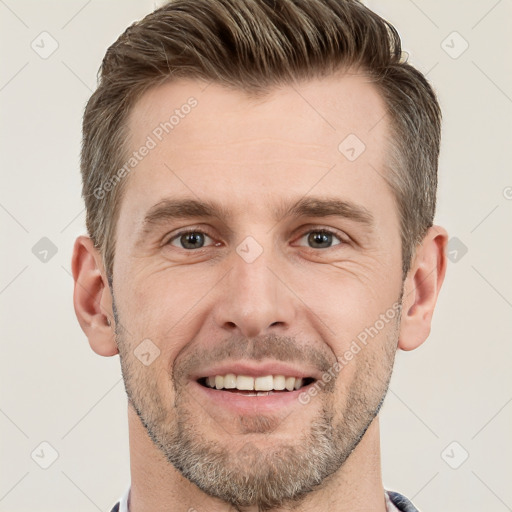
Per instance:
(92,298)
(421,288)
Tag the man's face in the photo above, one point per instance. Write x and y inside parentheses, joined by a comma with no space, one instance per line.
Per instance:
(257,288)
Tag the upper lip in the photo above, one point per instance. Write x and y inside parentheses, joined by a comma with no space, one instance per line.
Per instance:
(252,369)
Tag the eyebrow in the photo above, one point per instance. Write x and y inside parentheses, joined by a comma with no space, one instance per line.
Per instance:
(309,206)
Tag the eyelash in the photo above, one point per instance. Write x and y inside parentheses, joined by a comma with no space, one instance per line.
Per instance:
(314,230)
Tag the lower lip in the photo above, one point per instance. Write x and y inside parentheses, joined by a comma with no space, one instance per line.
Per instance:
(252,404)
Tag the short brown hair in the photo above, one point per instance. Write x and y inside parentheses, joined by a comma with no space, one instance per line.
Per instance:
(254,45)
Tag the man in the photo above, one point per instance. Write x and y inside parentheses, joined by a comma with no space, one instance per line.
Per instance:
(260,183)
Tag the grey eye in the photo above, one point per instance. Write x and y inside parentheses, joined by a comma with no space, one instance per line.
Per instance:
(320,239)
(189,240)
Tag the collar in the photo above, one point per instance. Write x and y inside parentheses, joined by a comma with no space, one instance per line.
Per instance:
(395,502)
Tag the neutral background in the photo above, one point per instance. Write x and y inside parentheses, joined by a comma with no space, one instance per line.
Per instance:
(447,419)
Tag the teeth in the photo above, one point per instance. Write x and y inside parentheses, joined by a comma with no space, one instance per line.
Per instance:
(279,382)
(262,385)
(290,383)
(244,383)
(230,381)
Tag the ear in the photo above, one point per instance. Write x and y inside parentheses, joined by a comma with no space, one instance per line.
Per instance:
(421,288)
(92,298)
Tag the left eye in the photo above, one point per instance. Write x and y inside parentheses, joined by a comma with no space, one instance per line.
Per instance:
(322,238)
(189,239)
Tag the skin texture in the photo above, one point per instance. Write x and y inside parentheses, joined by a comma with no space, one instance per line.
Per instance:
(300,301)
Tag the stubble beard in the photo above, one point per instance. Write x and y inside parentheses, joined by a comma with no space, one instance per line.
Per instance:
(252,476)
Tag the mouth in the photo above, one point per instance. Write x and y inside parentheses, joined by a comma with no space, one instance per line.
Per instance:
(250,386)
(254,388)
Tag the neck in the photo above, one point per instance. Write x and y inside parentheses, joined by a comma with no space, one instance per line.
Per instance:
(157,486)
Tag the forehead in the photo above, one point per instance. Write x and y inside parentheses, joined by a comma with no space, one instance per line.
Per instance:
(206,139)
(317,111)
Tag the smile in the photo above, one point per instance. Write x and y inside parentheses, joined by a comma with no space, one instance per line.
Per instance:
(255,386)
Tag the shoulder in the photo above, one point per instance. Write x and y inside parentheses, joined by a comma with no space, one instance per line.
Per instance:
(401,502)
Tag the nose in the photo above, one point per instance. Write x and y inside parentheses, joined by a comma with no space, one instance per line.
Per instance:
(254,297)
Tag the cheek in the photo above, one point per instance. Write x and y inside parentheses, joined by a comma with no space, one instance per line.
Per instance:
(146,333)
(148,380)
(349,306)
(366,366)
(357,321)
(155,301)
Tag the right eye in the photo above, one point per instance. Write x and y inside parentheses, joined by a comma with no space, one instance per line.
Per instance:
(189,239)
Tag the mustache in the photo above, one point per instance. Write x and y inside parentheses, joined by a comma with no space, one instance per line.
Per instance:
(270,346)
